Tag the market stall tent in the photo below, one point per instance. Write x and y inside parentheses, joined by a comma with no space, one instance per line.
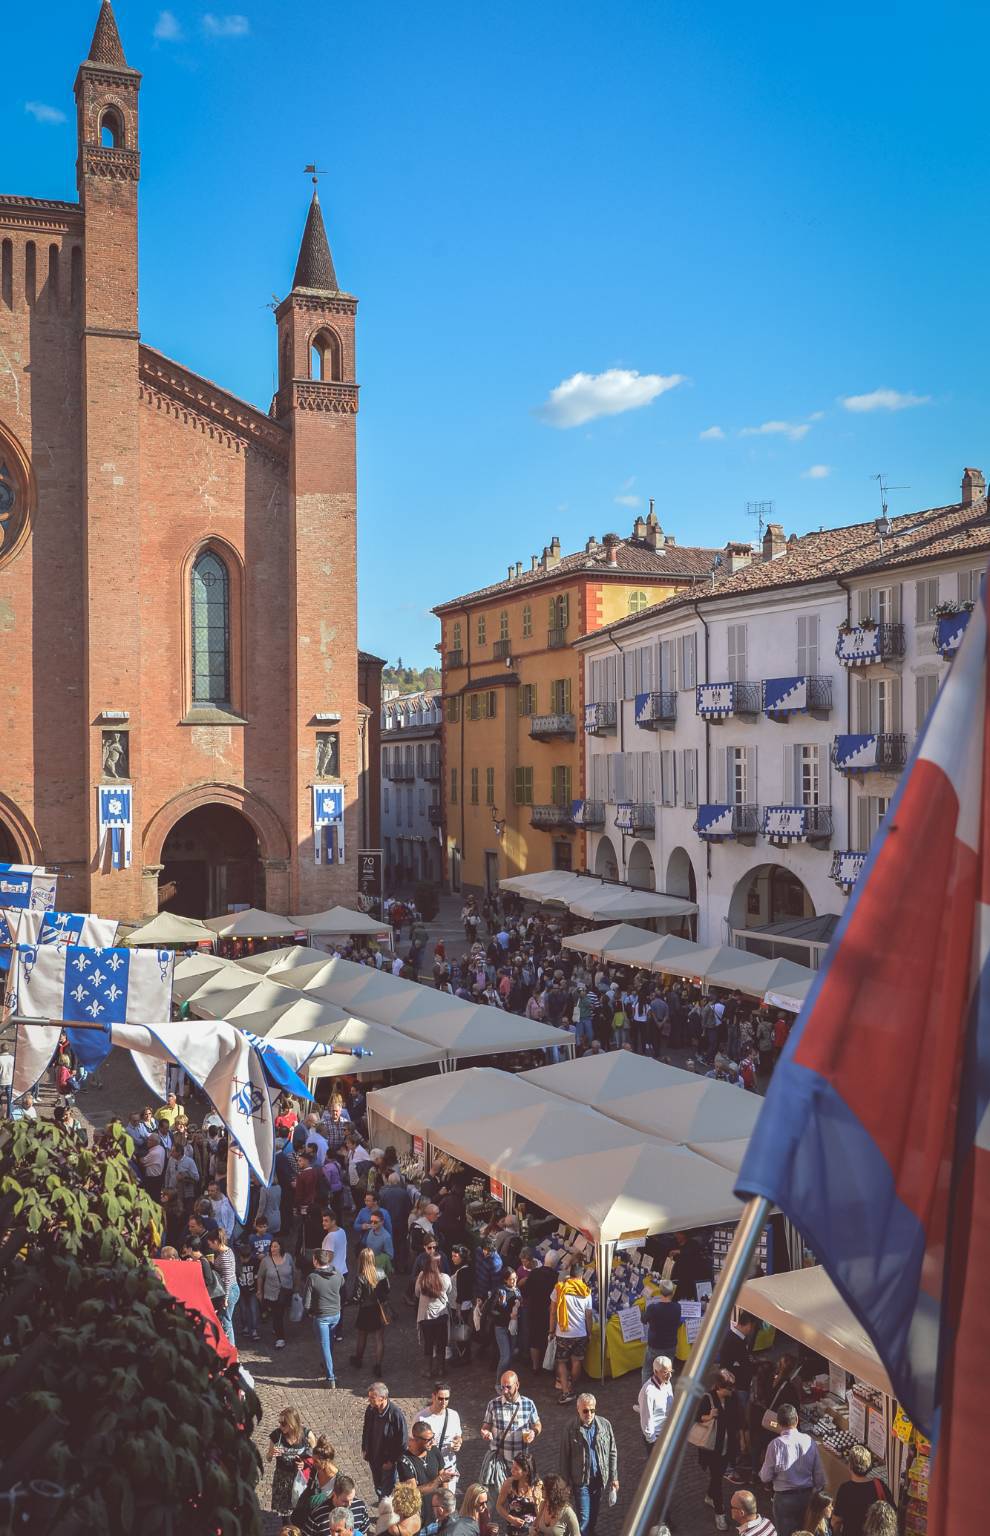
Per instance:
(252,924)
(269,960)
(806,1305)
(739,973)
(340,921)
(169,928)
(657,1099)
(191,972)
(420,1108)
(627,905)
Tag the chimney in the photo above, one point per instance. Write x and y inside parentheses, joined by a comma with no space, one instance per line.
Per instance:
(591,545)
(974,487)
(612,542)
(511,571)
(774,542)
(552,555)
(736,556)
(639,528)
(518,569)
(534,562)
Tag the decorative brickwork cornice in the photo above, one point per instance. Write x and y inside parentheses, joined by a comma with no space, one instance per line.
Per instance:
(183,394)
(114,164)
(323,303)
(314,395)
(33,213)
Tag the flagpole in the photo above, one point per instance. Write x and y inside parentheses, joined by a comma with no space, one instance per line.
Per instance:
(660,1474)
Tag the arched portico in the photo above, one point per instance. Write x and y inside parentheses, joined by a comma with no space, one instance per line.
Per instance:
(214,846)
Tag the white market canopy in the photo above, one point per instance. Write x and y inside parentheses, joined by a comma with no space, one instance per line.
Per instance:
(340,921)
(169,928)
(252,924)
(782,983)
(596,899)
(268,960)
(192,971)
(806,1305)
(602,1177)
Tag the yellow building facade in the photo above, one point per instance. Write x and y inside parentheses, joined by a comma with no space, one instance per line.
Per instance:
(513,731)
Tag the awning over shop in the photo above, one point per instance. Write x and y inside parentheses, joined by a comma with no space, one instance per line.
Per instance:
(596,900)
(191,972)
(806,1305)
(252,924)
(654,1098)
(424,1107)
(740,974)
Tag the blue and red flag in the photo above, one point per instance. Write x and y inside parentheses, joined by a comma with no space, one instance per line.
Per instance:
(875,1136)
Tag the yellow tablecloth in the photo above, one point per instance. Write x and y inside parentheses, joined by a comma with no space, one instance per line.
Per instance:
(620,1357)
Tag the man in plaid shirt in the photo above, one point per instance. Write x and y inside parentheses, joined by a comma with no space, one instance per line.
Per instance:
(512,1422)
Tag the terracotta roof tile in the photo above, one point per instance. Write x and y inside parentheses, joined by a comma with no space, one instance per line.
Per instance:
(632,558)
(934,534)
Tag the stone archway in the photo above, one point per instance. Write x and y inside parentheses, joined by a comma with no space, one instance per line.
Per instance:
(768,894)
(681,879)
(19,842)
(606,863)
(639,870)
(213,847)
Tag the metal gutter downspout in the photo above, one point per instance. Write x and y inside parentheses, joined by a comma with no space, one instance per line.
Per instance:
(620,684)
(848,672)
(708,758)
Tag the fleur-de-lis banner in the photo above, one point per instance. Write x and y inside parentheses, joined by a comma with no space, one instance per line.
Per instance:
(115,816)
(328,823)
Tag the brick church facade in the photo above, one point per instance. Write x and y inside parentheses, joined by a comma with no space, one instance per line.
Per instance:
(177,568)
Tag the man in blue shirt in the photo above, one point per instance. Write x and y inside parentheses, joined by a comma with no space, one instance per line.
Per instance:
(663,1319)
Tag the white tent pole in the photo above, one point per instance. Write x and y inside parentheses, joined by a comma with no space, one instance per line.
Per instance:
(604,1253)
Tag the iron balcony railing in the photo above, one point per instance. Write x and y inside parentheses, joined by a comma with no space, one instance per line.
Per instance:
(724,821)
(863,645)
(548,817)
(556,638)
(797,823)
(786,696)
(656,710)
(599,718)
(877,752)
(551,727)
(716,701)
(635,817)
(589,813)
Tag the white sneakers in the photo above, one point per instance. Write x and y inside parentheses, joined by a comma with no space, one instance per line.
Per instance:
(279,1343)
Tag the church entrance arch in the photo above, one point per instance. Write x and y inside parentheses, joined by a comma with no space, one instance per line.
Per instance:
(18,842)
(214,849)
(9,851)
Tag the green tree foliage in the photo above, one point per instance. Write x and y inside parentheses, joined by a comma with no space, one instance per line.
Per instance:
(108,1386)
(410,679)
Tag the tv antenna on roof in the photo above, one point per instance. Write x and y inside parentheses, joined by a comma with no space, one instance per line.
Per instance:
(883,525)
(762,511)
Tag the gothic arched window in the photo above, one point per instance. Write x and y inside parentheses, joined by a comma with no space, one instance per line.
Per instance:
(210,630)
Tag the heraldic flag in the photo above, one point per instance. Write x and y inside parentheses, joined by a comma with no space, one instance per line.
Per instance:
(875,1136)
(76,984)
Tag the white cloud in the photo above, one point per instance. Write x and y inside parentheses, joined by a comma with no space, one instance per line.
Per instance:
(167,28)
(794,430)
(883,400)
(817,416)
(42,113)
(225,26)
(628,501)
(817,472)
(585,396)
(711,435)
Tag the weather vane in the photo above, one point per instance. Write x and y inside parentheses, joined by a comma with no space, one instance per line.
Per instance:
(312,170)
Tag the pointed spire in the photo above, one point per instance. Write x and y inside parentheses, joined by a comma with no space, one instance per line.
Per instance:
(314,269)
(106,47)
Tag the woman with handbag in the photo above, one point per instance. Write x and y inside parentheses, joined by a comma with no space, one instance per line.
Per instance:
(461,1303)
(433,1289)
(716,1434)
(373,1317)
(289,1446)
(276,1282)
(520,1496)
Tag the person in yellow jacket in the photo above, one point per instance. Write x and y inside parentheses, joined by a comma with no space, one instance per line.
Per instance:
(570,1323)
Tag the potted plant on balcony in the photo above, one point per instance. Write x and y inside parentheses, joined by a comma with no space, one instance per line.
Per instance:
(869,622)
(846,627)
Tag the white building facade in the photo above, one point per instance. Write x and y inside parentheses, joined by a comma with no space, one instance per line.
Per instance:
(411,815)
(743,746)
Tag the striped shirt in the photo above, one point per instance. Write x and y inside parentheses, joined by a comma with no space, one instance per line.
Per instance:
(758,1526)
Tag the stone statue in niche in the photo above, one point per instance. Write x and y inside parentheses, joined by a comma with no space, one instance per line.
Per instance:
(327,755)
(116,755)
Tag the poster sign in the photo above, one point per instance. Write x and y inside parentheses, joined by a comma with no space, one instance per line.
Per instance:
(370,879)
(857,1418)
(631,1323)
(836,1380)
(876,1435)
(497,1189)
(418,1148)
(691,1318)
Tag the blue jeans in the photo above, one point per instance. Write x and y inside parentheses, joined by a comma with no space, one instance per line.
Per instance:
(324,1332)
(249,1312)
(503,1338)
(227,1314)
(583,1031)
(587,1503)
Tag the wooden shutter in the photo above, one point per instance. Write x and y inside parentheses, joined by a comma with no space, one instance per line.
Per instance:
(895,603)
(722,775)
(564,603)
(790,788)
(802,645)
(925,689)
(688,662)
(896,711)
(863,604)
(863,823)
(861,699)
(566,696)
(751,791)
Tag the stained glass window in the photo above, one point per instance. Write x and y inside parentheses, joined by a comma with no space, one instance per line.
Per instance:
(210,630)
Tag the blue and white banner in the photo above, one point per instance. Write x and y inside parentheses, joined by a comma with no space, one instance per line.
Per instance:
(26,887)
(80,985)
(328,823)
(847,867)
(577,812)
(715,701)
(115,817)
(59,928)
(785,695)
(859,645)
(949,631)
(855,754)
(714,821)
(624,818)
(785,823)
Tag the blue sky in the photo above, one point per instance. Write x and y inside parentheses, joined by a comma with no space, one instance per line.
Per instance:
(725,217)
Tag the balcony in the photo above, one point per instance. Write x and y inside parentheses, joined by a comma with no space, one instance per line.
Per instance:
(549,818)
(435,813)
(656,711)
(717,701)
(454,658)
(635,818)
(881,753)
(786,696)
(588,813)
(861,645)
(949,631)
(502,650)
(599,719)
(552,727)
(556,639)
(785,824)
(847,866)
(431,773)
(717,823)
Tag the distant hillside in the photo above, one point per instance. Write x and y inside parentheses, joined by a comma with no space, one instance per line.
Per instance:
(410,679)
